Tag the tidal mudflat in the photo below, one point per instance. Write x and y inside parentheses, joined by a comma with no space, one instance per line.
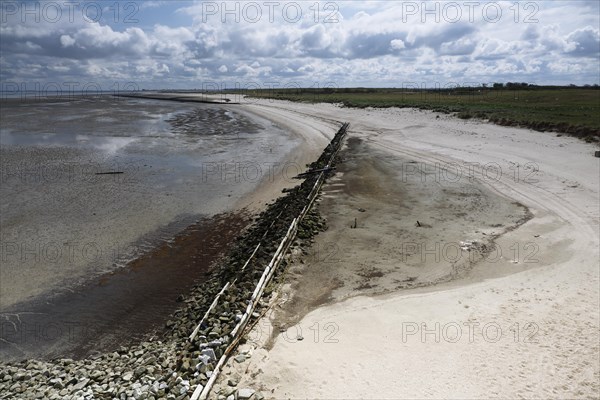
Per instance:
(94,186)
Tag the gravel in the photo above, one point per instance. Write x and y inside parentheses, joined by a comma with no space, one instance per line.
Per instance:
(172,367)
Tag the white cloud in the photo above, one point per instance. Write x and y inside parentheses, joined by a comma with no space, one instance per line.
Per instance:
(397,44)
(584,41)
(462,46)
(32,46)
(60,68)
(67,40)
(363,47)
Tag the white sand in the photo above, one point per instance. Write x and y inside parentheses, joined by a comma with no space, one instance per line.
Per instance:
(370,352)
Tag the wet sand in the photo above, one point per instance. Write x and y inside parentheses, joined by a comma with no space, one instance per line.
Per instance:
(121,307)
(522,323)
(374,244)
(84,261)
(355,343)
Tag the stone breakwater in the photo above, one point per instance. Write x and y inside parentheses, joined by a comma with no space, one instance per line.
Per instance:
(172,367)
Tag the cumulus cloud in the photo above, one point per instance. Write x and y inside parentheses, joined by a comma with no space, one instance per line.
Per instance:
(530,33)
(66,40)
(363,47)
(584,42)
(463,46)
(397,44)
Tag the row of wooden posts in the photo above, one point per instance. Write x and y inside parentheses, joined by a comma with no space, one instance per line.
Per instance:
(201,393)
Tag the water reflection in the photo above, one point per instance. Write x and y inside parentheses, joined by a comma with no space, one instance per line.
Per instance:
(54,186)
(107,144)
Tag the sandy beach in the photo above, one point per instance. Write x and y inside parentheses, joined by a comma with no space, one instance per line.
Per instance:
(365,315)
(460,261)
(386,200)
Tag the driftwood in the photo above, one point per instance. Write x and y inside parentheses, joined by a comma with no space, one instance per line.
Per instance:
(110,173)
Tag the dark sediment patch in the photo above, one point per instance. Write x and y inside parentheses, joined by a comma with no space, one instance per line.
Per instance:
(200,122)
(170,364)
(121,307)
(377,257)
(182,97)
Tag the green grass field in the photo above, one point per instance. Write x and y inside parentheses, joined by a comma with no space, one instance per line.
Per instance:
(573,111)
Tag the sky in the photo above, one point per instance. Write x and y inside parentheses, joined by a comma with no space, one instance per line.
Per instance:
(110,45)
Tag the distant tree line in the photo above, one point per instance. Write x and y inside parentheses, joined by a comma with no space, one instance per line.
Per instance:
(521,85)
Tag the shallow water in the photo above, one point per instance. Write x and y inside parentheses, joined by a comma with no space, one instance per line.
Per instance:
(64,222)
(118,308)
